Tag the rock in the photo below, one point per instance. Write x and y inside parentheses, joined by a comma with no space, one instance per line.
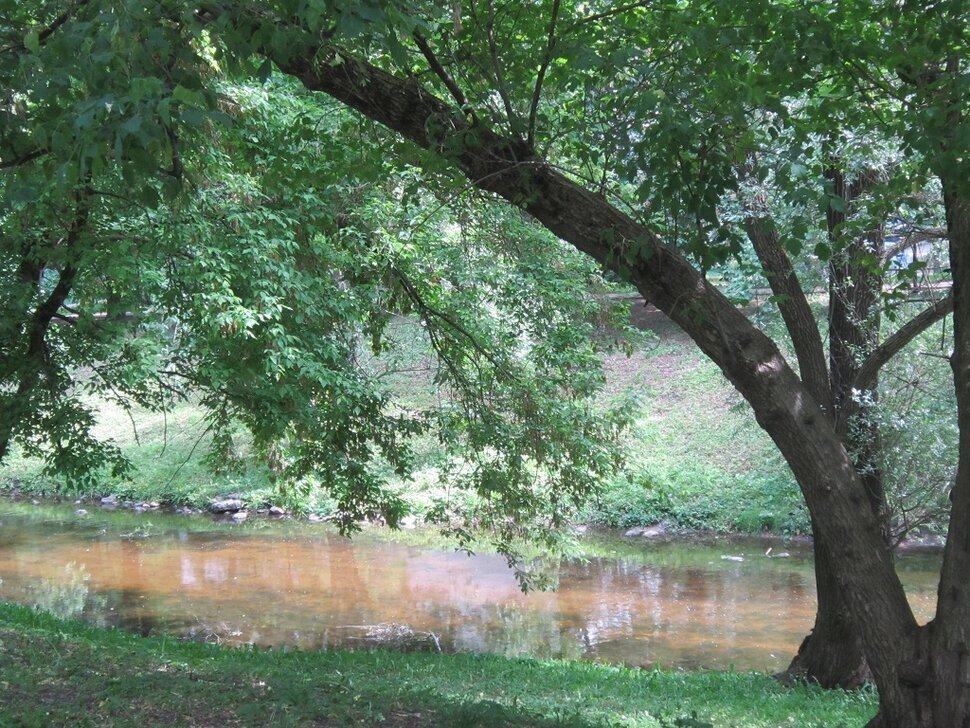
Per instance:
(277,511)
(139,508)
(261,510)
(226,505)
(240,516)
(154,504)
(314,518)
(397,636)
(109,500)
(732,558)
(80,512)
(35,502)
(580,529)
(408,522)
(647,531)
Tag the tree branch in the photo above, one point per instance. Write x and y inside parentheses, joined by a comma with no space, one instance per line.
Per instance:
(60,20)
(502,87)
(797,314)
(914,237)
(23,158)
(36,357)
(866,375)
(540,77)
(440,72)
(430,312)
(609,13)
(46,33)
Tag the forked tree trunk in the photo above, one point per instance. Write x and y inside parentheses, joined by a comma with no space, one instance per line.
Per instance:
(832,654)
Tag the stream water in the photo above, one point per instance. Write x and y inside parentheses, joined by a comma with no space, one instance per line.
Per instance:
(629,600)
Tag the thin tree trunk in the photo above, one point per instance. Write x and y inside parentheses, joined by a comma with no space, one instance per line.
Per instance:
(32,362)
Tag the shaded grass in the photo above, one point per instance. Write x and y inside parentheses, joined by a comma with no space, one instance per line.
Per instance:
(63,673)
(168,453)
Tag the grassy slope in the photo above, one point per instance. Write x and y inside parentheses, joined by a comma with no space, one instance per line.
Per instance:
(57,673)
(696,457)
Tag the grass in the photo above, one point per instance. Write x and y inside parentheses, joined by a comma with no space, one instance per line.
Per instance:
(63,673)
(695,456)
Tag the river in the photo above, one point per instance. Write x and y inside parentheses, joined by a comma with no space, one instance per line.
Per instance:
(703,602)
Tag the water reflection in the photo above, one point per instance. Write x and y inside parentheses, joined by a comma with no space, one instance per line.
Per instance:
(651,603)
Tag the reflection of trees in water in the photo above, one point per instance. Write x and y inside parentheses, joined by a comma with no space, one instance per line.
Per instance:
(689,608)
(509,629)
(67,596)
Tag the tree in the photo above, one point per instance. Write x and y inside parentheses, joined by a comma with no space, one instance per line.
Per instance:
(556,110)
(917,669)
(175,231)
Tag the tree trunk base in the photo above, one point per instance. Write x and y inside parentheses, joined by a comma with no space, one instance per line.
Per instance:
(830,663)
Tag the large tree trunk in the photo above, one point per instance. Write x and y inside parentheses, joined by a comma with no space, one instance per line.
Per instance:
(943,670)
(832,655)
(850,533)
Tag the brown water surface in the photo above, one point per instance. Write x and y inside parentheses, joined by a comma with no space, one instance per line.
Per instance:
(639,602)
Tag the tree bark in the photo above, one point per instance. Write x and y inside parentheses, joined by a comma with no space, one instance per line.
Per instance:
(832,655)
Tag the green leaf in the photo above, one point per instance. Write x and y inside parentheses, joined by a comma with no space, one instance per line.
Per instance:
(32,41)
(188,96)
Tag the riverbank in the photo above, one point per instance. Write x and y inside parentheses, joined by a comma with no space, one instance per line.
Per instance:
(694,457)
(64,673)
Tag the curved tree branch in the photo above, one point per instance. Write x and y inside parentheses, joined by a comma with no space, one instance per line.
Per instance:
(866,375)
(781,402)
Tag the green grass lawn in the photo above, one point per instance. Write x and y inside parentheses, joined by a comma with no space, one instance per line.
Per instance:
(63,673)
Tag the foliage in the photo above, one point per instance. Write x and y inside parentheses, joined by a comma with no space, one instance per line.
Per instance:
(200,236)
